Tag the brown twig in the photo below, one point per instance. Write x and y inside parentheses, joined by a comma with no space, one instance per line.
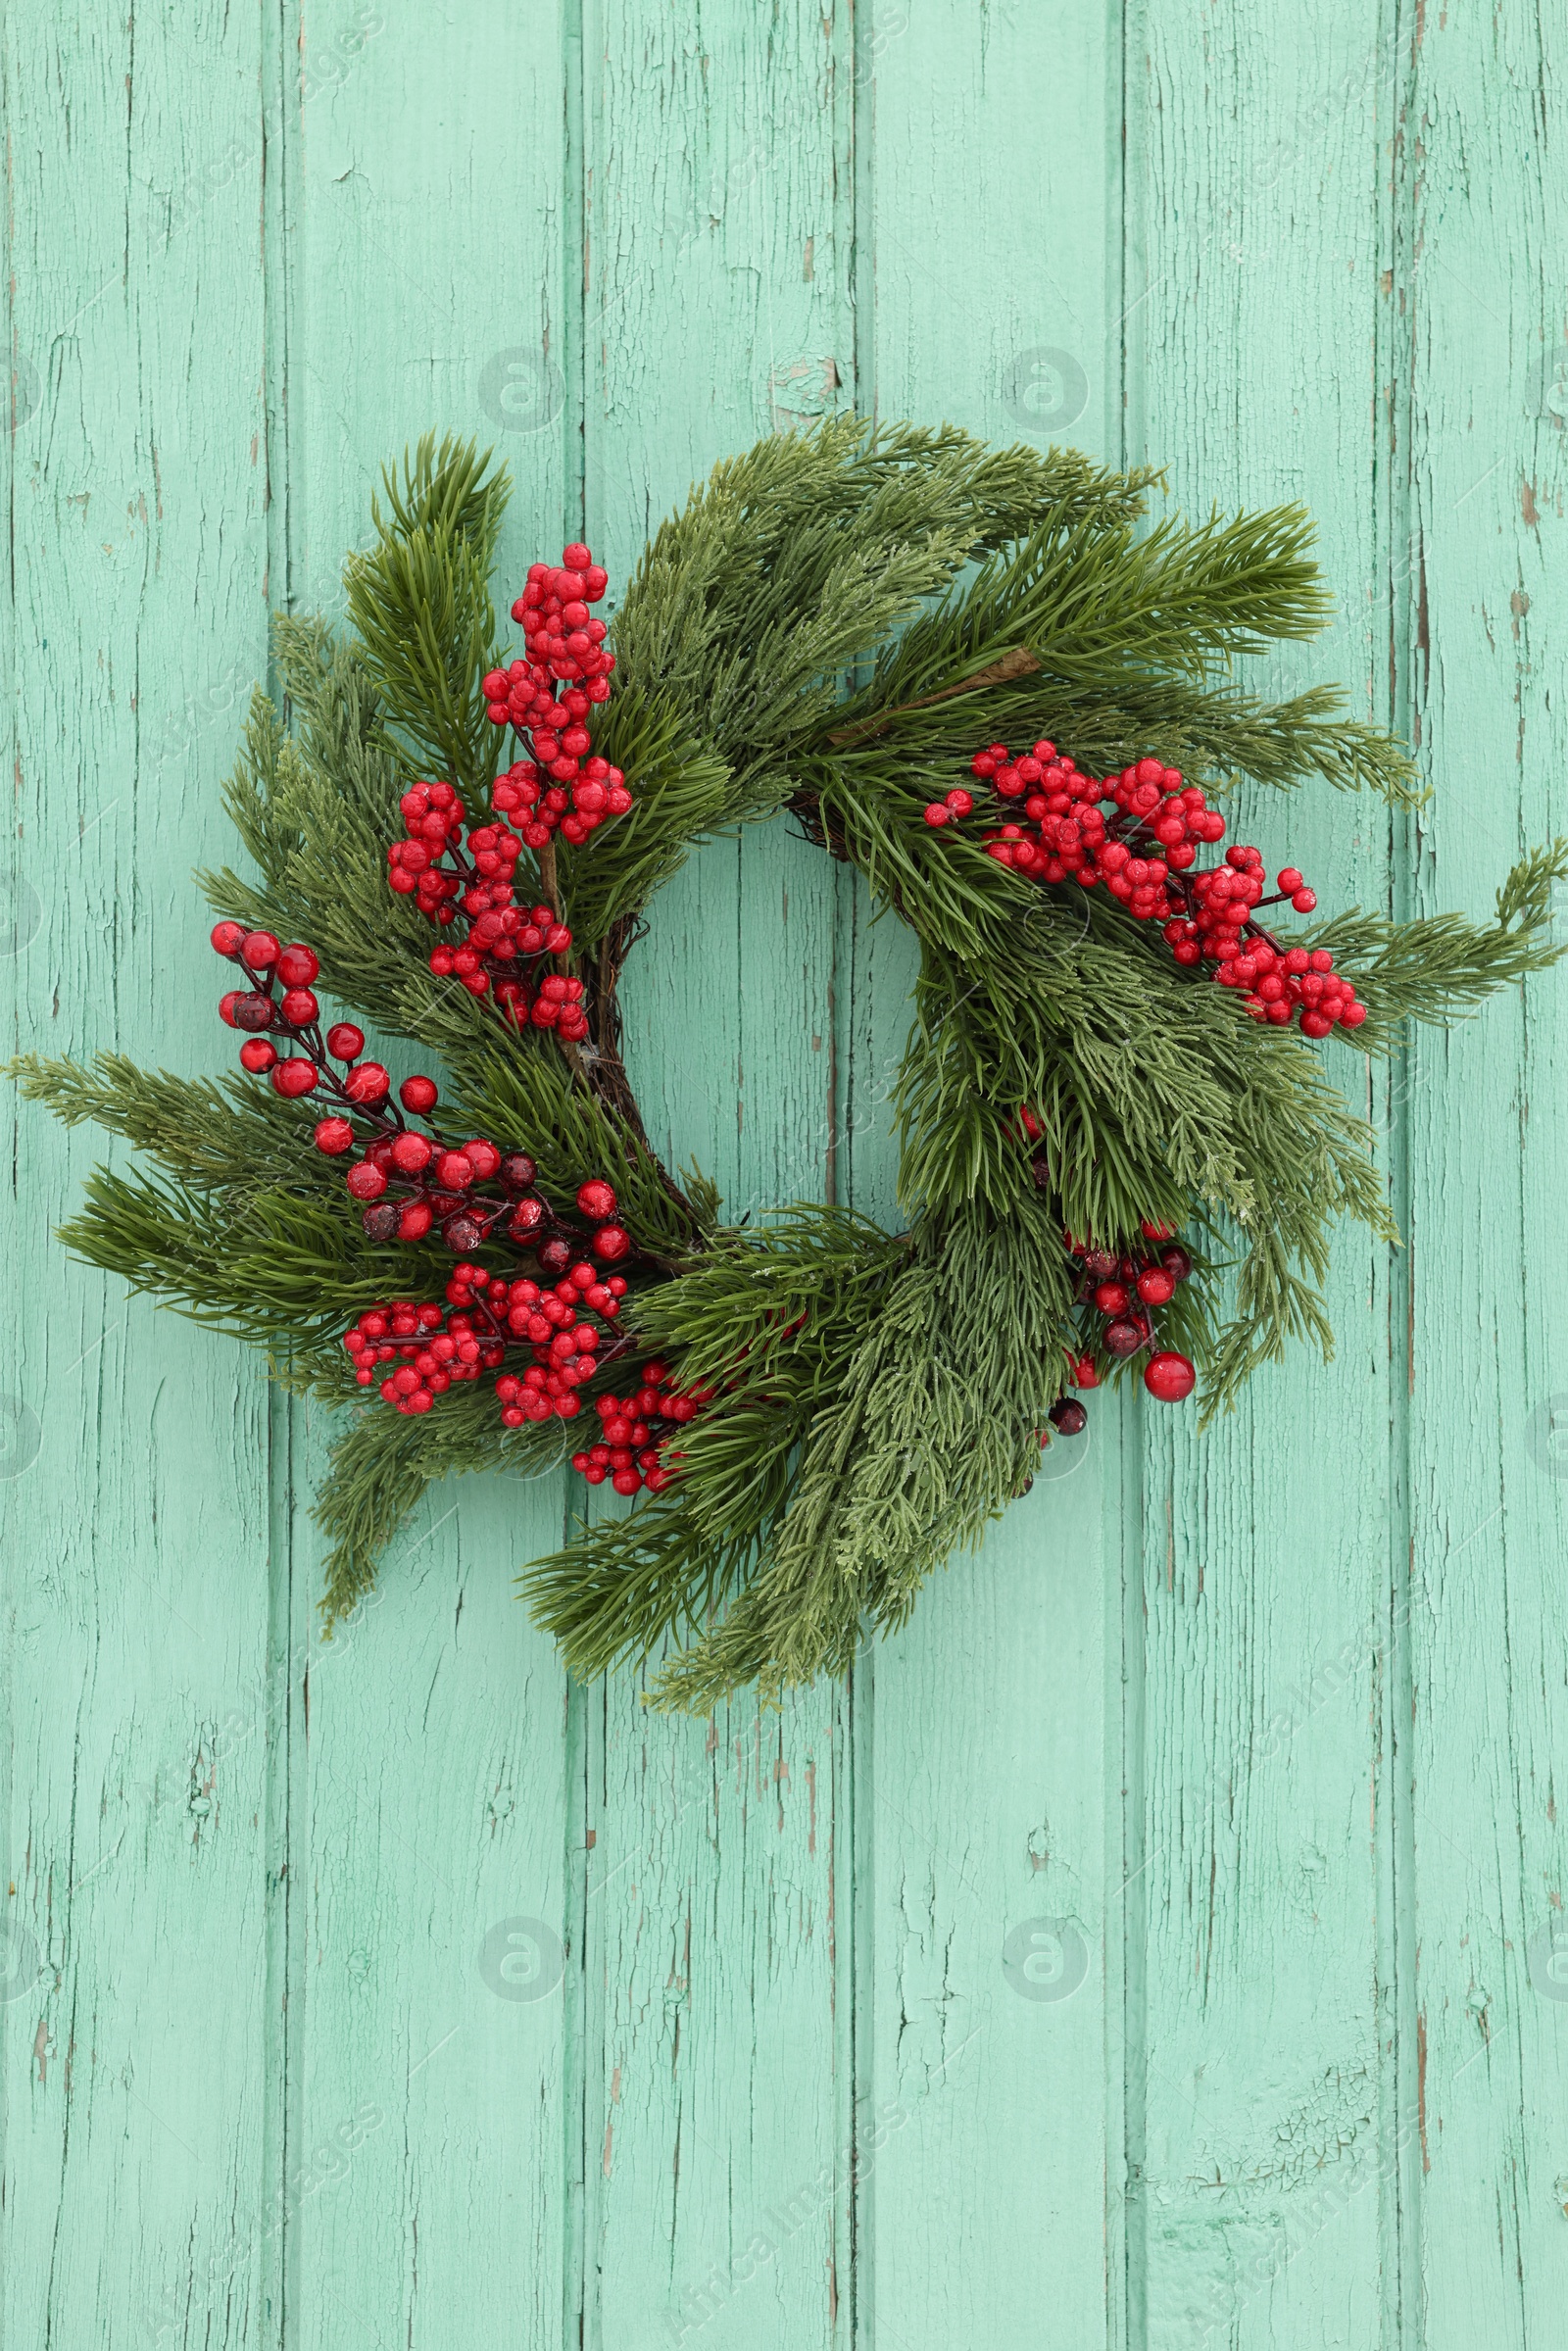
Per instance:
(1019,663)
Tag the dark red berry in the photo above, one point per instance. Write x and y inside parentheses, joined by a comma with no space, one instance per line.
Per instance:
(253,1011)
(380,1222)
(1069,1417)
(517,1171)
(1123,1338)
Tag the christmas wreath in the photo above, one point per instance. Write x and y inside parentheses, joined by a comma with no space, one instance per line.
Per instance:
(979,677)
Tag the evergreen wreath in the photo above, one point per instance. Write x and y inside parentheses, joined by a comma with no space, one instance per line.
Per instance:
(1101,1147)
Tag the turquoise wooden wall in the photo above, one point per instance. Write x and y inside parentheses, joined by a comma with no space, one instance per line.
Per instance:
(1156,1946)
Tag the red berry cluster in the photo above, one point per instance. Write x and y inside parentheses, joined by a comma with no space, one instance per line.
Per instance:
(546,700)
(562,1347)
(1125,1289)
(280,1002)
(490,1315)
(428,1356)
(628,1452)
(1142,852)
(472,884)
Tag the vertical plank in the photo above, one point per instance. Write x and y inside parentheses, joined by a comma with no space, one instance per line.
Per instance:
(426,2059)
(988,1967)
(713,284)
(1480,647)
(1267,1845)
(133,1949)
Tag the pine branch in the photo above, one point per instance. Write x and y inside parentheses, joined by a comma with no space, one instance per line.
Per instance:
(381,1465)
(1441,967)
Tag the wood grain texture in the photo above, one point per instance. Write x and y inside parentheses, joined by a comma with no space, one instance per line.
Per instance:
(137,2088)
(430,1860)
(1480,649)
(1262,1662)
(989,1966)
(716,305)
(1157,1947)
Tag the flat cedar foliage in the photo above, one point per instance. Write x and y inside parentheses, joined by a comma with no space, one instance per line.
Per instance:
(880,1396)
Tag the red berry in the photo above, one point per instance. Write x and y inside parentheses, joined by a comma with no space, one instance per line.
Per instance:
(418,1095)
(612,1240)
(227,1004)
(364,1181)
(296,1076)
(1152,1231)
(597,1199)
(412,1152)
(1111,1299)
(368,1083)
(333,1135)
(344,1042)
(1169,1377)
(1084,1374)
(1155,1287)
(299,1007)
(1287,879)
(229,937)
(626,1480)
(414,1222)
(258,1054)
(260,950)
(937,812)
(298,965)
(1303,900)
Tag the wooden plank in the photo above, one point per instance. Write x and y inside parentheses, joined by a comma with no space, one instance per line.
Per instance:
(134,1650)
(1485,478)
(426,2059)
(715,280)
(988,1963)
(1267,1852)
